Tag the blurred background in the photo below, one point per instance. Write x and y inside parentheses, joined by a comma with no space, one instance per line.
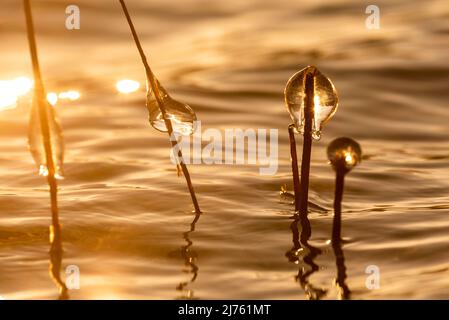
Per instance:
(127,216)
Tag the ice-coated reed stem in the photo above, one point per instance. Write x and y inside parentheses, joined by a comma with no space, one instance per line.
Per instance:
(40,97)
(307,144)
(154,85)
(294,159)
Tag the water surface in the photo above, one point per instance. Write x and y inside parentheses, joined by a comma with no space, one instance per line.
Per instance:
(126,216)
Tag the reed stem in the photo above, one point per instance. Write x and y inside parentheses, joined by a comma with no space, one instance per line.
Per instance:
(56,250)
(40,99)
(294,158)
(56,254)
(339,186)
(307,144)
(155,87)
(336,233)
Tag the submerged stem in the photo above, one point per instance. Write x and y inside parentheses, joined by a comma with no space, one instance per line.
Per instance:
(155,87)
(294,159)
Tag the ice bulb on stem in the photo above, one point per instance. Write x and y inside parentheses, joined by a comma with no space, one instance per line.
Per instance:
(166,114)
(45,133)
(46,146)
(344,154)
(181,115)
(311,100)
(325,100)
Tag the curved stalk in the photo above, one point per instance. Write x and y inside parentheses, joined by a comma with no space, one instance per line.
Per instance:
(154,86)
(42,104)
(40,98)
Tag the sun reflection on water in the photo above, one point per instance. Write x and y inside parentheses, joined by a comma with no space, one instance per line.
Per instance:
(127,86)
(71,95)
(12,90)
(52,98)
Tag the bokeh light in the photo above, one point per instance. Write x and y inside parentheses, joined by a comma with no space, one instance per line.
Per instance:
(71,95)
(52,98)
(11,90)
(127,86)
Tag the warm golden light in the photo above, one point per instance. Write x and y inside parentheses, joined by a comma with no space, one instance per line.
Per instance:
(43,171)
(22,85)
(11,90)
(127,86)
(316,102)
(325,100)
(344,153)
(52,98)
(317,108)
(69,95)
(349,158)
(7,101)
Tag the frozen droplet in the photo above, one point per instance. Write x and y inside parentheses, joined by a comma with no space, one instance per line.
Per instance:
(43,171)
(344,153)
(316,135)
(52,98)
(181,115)
(36,140)
(325,100)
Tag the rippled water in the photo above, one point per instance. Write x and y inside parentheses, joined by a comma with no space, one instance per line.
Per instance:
(126,216)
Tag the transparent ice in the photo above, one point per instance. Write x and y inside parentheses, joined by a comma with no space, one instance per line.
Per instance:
(325,100)
(36,141)
(180,114)
(344,151)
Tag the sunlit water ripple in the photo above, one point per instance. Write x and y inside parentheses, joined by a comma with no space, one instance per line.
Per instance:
(126,215)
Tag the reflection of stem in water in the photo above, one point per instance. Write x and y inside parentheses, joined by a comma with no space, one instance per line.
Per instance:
(294,158)
(189,259)
(40,97)
(155,87)
(56,250)
(344,291)
(302,247)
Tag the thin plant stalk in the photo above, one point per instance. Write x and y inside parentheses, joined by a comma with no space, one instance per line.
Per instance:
(339,186)
(56,249)
(294,158)
(336,234)
(154,85)
(307,144)
(56,253)
(39,96)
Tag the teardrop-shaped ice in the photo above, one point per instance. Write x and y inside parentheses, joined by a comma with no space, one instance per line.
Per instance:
(36,140)
(325,100)
(344,153)
(181,115)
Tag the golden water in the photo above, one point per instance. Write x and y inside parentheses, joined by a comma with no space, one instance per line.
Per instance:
(126,216)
